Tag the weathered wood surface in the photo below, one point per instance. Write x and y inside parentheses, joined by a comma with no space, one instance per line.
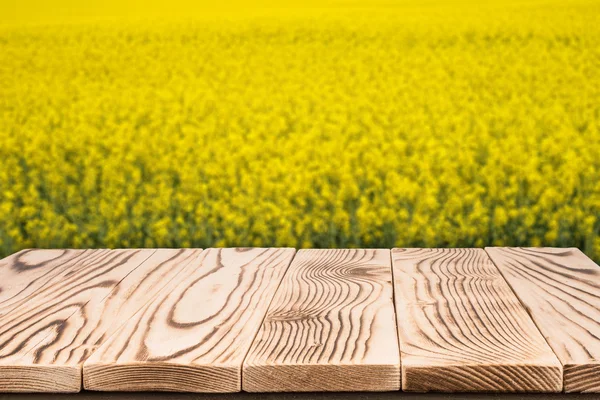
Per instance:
(32,334)
(26,272)
(330,327)
(186,320)
(561,289)
(462,329)
(194,335)
(93,323)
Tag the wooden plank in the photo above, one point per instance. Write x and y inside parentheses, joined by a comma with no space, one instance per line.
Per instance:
(331,327)
(561,290)
(194,335)
(28,271)
(28,330)
(462,329)
(94,322)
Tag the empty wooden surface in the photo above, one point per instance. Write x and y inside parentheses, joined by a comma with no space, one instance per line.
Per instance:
(187,320)
(194,334)
(32,334)
(330,327)
(87,328)
(462,329)
(561,290)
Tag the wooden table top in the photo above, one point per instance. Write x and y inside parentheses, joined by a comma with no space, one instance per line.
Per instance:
(284,321)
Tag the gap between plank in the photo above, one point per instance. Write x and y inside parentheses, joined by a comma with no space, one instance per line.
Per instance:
(396,315)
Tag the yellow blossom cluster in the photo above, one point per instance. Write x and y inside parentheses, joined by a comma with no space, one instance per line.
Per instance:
(463,124)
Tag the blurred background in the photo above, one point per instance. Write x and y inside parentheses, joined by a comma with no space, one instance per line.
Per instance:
(311,124)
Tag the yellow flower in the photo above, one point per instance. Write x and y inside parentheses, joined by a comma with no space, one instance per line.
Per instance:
(469,127)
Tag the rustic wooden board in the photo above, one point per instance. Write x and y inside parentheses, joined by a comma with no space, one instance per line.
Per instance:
(194,335)
(26,272)
(32,334)
(330,327)
(86,329)
(561,290)
(462,329)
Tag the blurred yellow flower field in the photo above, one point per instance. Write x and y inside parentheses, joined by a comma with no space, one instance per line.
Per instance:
(462,124)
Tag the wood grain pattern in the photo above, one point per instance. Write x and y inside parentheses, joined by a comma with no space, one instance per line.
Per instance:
(462,329)
(330,327)
(194,335)
(561,290)
(34,331)
(86,329)
(27,271)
